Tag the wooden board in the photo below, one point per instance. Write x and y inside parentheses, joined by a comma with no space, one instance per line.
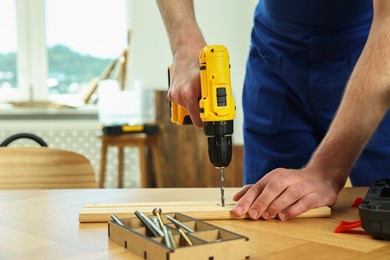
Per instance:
(203,210)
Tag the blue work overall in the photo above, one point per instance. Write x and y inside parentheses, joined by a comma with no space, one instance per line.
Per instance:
(301,56)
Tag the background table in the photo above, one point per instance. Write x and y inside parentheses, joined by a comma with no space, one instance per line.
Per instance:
(43,224)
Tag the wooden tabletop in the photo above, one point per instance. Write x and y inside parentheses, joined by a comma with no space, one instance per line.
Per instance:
(43,224)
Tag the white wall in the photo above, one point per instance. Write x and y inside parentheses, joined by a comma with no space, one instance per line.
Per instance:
(226,22)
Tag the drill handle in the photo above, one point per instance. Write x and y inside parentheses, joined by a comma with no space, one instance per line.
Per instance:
(178,114)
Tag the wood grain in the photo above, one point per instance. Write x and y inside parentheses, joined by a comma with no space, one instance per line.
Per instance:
(43,224)
(44,168)
(203,210)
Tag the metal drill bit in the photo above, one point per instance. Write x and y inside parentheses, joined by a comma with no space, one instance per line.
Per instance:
(166,237)
(155,221)
(147,223)
(152,224)
(222,188)
(186,238)
(171,239)
(180,224)
(117,220)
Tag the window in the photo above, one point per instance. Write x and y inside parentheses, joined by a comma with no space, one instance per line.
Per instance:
(8,48)
(82,37)
(52,49)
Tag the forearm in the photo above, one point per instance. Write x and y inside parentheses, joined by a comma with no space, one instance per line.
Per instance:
(365,102)
(186,43)
(181,26)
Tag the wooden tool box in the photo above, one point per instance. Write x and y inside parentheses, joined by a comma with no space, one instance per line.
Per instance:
(209,242)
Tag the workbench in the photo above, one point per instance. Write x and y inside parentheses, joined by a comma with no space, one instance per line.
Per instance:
(43,224)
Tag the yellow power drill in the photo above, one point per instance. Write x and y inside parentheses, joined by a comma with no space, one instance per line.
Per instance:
(217,108)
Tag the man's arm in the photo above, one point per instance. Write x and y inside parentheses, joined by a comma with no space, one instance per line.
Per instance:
(366,100)
(186,42)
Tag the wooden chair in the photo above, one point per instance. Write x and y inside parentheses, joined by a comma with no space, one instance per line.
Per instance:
(44,168)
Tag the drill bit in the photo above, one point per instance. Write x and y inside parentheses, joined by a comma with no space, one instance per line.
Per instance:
(222,188)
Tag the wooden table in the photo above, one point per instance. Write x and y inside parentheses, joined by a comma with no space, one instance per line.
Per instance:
(43,224)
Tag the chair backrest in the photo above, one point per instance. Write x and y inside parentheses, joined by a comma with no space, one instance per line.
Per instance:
(44,168)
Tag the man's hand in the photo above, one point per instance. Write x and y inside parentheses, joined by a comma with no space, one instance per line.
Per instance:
(185,82)
(286,194)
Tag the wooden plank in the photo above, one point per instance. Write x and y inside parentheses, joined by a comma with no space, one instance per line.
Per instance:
(203,210)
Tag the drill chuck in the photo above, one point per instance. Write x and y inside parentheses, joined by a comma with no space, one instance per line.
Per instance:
(220,150)
(218,128)
(219,142)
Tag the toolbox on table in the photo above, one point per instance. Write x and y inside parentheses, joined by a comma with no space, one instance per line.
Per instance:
(208,241)
(149,128)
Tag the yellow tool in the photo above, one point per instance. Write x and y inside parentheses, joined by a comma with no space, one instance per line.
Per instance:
(217,108)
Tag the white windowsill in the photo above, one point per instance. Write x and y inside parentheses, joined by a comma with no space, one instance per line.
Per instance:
(10,112)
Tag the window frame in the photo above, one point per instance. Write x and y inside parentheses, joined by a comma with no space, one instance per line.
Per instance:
(32,52)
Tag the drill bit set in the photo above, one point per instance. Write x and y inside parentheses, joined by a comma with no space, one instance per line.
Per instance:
(175,236)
